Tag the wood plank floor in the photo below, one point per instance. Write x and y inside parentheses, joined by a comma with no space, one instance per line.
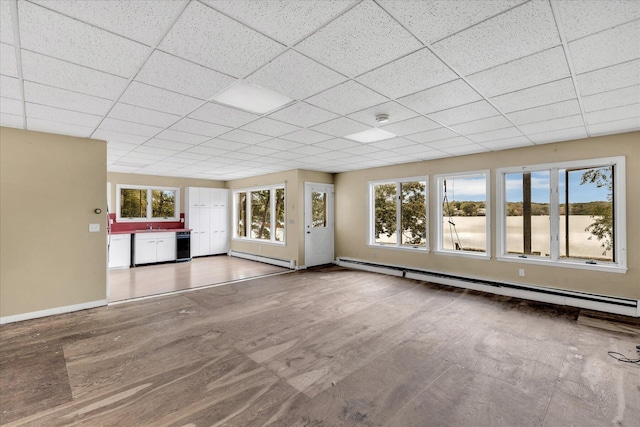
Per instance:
(322,347)
(157,279)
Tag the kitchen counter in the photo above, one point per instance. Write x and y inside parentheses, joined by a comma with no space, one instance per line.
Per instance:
(155,230)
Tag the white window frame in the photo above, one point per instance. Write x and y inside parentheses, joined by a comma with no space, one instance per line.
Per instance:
(439,178)
(149,217)
(619,209)
(372,211)
(272,206)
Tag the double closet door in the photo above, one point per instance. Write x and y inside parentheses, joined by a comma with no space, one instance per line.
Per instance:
(207,215)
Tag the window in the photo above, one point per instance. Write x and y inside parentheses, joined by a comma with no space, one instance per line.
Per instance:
(570,214)
(144,203)
(259,214)
(463,214)
(399,213)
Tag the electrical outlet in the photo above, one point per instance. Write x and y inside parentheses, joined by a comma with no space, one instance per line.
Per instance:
(94,228)
(521,272)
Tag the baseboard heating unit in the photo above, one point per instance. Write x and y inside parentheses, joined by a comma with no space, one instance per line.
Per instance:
(267,260)
(615,305)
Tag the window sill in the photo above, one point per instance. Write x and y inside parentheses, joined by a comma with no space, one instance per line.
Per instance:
(123,220)
(399,248)
(606,267)
(464,254)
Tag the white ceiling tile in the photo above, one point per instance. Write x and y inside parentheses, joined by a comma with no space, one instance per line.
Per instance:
(267,126)
(59,115)
(395,111)
(141,20)
(449,143)
(178,161)
(532,70)
(465,113)
(65,75)
(209,38)
(559,135)
(178,75)
(239,156)
(432,135)
(417,151)
(554,124)
(142,115)
(59,128)
(399,159)
(412,73)
(581,18)
(303,114)
(536,96)
(167,145)
(224,144)
(361,150)
(205,151)
(346,98)
(432,20)
(187,138)
(336,156)
(337,144)
(306,136)
(545,112)
(200,128)
(117,125)
(414,125)
(10,87)
(11,120)
(615,77)
(189,155)
(367,36)
(627,125)
(108,135)
(44,31)
(308,150)
(122,146)
(441,97)
(465,149)
(155,150)
(61,98)
(295,75)
(6,23)
(245,137)
(280,144)
(287,155)
(392,144)
(503,144)
(521,31)
(11,106)
(613,114)
(606,48)
(495,134)
(8,65)
(155,98)
(275,18)
(482,125)
(257,150)
(611,99)
(221,115)
(340,127)
(144,157)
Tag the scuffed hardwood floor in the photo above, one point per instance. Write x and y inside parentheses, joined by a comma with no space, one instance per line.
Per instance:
(323,347)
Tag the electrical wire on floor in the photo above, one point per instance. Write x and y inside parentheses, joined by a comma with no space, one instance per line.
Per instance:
(622,358)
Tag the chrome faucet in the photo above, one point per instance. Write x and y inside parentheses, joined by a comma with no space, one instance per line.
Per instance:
(149,227)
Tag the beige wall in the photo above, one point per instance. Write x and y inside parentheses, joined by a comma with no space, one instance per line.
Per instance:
(160,181)
(294,195)
(351,190)
(49,188)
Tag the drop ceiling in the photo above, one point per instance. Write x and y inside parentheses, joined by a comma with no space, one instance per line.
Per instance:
(455,78)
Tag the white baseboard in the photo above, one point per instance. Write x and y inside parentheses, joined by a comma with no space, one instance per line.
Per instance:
(52,311)
(626,307)
(267,260)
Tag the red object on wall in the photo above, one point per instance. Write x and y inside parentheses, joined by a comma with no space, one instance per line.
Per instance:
(117,227)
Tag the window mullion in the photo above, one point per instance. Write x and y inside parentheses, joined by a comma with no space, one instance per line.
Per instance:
(272,218)
(149,204)
(554,215)
(398,214)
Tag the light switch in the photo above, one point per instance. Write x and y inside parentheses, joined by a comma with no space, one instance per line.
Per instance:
(94,228)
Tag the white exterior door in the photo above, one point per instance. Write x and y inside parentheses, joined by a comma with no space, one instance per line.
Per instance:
(318,224)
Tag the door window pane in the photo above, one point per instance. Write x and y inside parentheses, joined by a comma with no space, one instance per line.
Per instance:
(385,214)
(163,203)
(414,213)
(464,211)
(280,218)
(527,213)
(587,196)
(261,214)
(318,209)
(133,203)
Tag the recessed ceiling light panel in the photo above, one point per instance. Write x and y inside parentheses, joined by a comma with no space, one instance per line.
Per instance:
(371,135)
(252,98)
